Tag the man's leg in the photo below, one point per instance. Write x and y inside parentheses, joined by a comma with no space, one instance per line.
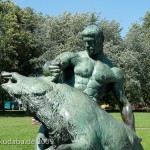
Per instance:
(42,142)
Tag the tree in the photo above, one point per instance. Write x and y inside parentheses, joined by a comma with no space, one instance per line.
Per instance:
(17,44)
(146,59)
(28,40)
(135,61)
(58,34)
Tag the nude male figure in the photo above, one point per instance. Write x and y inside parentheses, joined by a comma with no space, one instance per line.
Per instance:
(91,72)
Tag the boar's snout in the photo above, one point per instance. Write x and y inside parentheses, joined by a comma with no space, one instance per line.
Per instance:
(6,77)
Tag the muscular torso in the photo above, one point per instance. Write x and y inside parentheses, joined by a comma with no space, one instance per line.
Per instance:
(90,76)
(95,77)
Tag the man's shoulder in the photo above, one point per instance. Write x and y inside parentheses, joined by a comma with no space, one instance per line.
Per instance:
(77,53)
(118,72)
(66,54)
(82,53)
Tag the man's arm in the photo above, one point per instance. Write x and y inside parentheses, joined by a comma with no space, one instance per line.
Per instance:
(54,67)
(66,58)
(125,106)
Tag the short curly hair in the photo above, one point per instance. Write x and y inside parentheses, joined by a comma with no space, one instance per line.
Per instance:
(91,30)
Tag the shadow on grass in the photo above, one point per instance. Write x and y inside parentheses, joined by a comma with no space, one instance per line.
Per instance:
(21,113)
(14,113)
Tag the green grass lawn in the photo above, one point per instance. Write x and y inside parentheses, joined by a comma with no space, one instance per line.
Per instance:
(20,128)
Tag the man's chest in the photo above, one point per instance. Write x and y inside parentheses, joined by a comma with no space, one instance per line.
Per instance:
(94,70)
(83,67)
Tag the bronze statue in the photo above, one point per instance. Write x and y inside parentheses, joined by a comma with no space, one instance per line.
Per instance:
(71,119)
(92,72)
(66,100)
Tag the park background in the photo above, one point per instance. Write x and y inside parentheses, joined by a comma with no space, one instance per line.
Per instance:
(30,35)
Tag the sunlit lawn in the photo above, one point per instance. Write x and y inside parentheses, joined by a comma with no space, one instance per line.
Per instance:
(20,128)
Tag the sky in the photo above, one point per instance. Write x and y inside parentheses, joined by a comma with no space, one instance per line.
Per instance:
(125,12)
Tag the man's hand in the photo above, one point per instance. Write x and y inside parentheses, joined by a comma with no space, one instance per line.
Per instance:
(52,68)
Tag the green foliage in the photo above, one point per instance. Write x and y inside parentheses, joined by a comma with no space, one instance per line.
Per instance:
(62,33)
(28,40)
(17,45)
(132,55)
(111,31)
(136,61)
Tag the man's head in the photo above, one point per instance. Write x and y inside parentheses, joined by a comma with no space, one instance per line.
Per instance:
(93,39)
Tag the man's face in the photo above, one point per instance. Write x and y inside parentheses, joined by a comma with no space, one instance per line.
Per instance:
(91,45)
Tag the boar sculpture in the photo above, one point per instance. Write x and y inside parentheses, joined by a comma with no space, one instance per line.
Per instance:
(73,121)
